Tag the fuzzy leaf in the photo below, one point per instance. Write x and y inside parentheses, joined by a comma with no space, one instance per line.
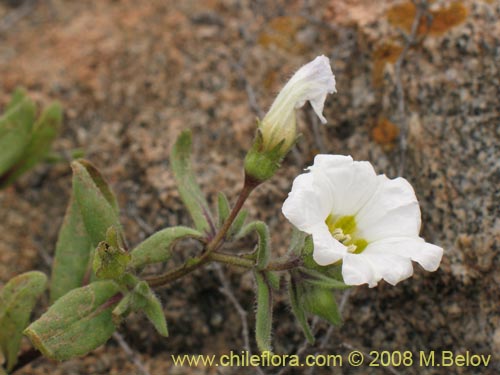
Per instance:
(15,130)
(321,301)
(77,323)
(18,96)
(142,299)
(44,132)
(189,190)
(263,248)
(295,292)
(95,199)
(17,299)
(264,313)
(72,255)
(157,248)
(153,308)
(274,279)
(237,226)
(321,280)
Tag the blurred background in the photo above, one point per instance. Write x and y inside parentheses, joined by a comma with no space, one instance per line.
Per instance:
(416,99)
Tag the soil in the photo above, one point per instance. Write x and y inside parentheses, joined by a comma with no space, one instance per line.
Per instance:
(132,75)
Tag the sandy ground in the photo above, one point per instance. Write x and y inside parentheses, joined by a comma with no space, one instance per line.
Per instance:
(131,75)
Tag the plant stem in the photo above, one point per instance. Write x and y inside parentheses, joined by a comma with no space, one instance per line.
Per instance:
(249,185)
(176,273)
(234,260)
(216,256)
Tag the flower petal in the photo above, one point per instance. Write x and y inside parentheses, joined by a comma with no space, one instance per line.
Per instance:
(426,254)
(312,82)
(306,206)
(357,270)
(392,210)
(370,268)
(327,250)
(350,184)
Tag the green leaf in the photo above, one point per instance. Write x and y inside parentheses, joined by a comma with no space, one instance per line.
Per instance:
(15,131)
(263,247)
(72,255)
(321,280)
(95,199)
(274,279)
(223,208)
(321,301)
(157,248)
(44,132)
(264,313)
(295,292)
(77,323)
(153,308)
(17,299)
(17,97)
(142,299)
(237,226)
(189,190)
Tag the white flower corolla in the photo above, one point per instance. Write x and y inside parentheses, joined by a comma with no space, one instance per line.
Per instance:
(371,223)
(312,82)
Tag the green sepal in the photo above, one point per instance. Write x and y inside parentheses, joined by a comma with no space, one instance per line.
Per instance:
(189,190)
(295,293)
(321,280)
(142,298)
(321,302)
(77,323)
(157,248)
(17,299)
(263,247)
(297,242)
(223,208)
(44,132)
(333,271)
(95,199)
(262,164)
(264,312)
(72,254)
(15,131)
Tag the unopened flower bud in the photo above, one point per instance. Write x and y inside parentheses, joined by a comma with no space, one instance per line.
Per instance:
(277,132)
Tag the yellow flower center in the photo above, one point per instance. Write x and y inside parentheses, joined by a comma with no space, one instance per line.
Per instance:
(343,229)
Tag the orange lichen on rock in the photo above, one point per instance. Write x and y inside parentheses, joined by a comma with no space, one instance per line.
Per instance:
(385,133)
(281,32)
(385,53)
(442,20)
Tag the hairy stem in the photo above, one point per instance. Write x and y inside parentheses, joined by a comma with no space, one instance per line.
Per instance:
(249,185)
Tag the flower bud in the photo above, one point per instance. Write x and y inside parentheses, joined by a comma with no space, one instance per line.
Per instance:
(277,132)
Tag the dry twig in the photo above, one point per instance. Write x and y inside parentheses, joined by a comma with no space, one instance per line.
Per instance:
(132,355)
(227,291)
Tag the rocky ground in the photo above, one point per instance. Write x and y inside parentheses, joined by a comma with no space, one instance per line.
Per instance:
(131,75)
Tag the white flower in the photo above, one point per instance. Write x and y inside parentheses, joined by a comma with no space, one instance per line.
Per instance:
(312,82)
(371,223)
